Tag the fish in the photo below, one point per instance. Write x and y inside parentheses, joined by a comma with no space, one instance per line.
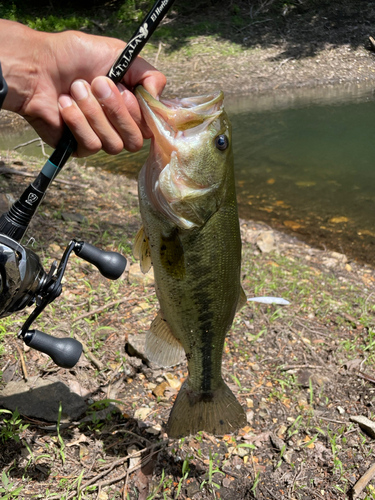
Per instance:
(190,234)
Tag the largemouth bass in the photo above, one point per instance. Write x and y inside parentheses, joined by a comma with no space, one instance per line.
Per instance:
(191,236)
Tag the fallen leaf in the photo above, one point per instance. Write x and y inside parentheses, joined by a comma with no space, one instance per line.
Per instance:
(338,220)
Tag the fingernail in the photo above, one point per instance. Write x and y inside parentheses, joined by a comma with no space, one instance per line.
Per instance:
(101,88)
(78,89)
(121,87)
(65,101)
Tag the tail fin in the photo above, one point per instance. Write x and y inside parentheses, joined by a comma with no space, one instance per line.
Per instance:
(218,412)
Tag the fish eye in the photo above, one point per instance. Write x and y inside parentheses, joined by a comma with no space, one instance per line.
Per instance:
(221,142)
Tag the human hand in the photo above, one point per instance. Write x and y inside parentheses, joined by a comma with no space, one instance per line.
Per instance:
(56,77)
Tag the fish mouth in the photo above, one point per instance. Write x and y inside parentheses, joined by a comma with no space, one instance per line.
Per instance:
(172,117)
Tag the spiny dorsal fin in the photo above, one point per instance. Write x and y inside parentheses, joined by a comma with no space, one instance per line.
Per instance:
(242,300)
(162,347)
(141,250)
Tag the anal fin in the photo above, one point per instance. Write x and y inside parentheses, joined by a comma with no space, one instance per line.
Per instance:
(162,347)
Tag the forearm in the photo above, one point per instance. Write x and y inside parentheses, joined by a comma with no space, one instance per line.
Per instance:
(19,53)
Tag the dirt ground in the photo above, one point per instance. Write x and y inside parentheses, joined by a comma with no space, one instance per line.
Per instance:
(303,372)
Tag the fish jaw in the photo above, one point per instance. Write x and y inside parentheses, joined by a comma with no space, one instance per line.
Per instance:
(187,175)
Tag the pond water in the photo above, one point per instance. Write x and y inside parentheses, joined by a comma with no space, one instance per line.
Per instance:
(304,163)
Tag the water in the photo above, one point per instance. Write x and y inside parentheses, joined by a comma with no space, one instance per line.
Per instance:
(304,163)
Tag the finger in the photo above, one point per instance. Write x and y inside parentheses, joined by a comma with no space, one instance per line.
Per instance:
(87,140)
(141,72)
(121,110)
(90,106)
(132,106)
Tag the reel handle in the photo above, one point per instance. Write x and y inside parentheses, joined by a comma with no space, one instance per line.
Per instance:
(65,352)
(111,265)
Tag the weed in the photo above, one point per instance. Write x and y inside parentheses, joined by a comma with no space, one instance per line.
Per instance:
(8,490)
(11,427)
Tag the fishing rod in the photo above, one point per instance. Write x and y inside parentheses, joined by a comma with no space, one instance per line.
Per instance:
(23,280)
(15,222)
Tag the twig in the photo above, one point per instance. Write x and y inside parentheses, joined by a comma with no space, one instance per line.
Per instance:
(157,54)
(255,22)
(27,143)
(13,171)
(294,367)
(366,377)
(102,308)
(23,364)
(331,420)
(99,365)
(363,481)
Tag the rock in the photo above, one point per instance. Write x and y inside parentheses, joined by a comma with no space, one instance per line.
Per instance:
(135,346)
(137,277)
(266,242)
(141,413)
(135,456)
(288,456)
(155,429)
(340,257)
(40,398)
(277,442)
(249,416)
(365,424)
(303,378)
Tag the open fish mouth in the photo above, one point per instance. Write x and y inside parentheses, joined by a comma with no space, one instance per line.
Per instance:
(176,117)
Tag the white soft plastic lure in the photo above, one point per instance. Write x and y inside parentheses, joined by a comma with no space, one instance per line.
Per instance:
(270,300)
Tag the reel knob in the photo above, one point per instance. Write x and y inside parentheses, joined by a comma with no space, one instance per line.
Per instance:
(111,265)
(65,352)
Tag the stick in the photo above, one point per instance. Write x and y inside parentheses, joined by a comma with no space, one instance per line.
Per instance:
(23,364)
(363,481)
(102,308)
(13,171)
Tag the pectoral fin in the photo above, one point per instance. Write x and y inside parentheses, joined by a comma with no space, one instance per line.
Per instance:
(162,347)
(141,250)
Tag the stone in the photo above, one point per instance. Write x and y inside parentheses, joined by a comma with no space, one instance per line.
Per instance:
(367,425)
(266,242)
(142,413)
(136,276)
(40,398)
(155,429)
(277,442)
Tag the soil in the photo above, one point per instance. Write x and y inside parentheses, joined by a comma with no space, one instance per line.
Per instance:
(302,372)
